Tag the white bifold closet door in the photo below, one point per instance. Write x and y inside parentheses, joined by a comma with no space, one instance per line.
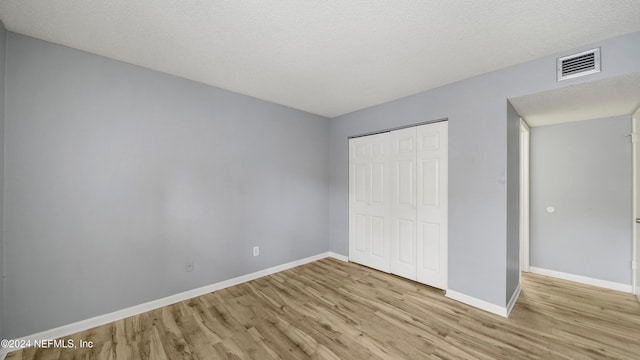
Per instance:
(369,201)
(432,204)
(403,214)
(398,202)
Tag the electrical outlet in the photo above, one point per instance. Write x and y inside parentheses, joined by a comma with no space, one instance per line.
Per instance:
(189,266)
(256,251)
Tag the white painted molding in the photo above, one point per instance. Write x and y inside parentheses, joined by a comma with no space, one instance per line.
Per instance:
(477,303)
(338,256)
(525,190)
(82,325)
(514,299)
(582,279)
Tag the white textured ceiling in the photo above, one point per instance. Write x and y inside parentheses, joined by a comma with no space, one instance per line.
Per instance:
(328,57)
(585,101)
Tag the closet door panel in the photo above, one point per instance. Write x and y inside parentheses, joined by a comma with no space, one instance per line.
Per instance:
(403,202)
(406,243)
(369,201)
(432,158)
(378,238)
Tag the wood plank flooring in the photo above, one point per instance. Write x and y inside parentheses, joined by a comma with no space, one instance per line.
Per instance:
(334,310)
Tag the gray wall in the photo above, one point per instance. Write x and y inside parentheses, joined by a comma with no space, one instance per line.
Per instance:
(478,163)
(583,169)
(3,46)
(513,200)
(118,175)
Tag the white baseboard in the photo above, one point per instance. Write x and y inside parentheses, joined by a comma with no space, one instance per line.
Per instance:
(82,325)
(480,304)
(582,279)
(338,256)
(514,299)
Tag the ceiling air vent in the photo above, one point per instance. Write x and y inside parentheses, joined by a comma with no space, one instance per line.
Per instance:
(581,64)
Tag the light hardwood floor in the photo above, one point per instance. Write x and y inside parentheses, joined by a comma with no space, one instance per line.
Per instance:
(334,310)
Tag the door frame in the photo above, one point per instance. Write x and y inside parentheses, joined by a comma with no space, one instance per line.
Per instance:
(525,134)
(635,264)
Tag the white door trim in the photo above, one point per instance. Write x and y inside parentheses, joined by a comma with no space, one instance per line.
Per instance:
(524,195)
(635,265)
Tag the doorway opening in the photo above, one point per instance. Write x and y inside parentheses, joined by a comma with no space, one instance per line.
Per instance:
(565,203)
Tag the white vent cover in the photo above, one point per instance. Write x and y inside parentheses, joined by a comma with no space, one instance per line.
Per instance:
(580,64)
